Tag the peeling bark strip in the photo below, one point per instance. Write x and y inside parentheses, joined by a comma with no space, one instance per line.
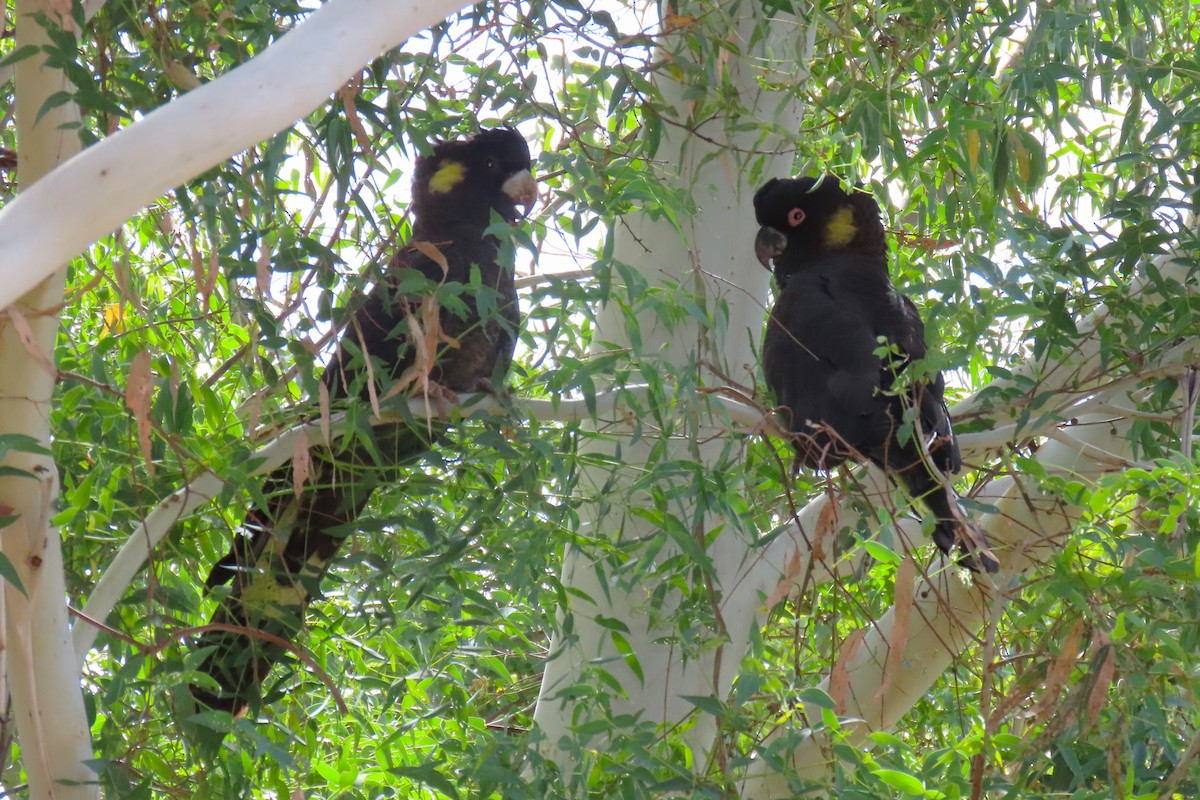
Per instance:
(906,576)
(29,340)
(41,680)
(139,390)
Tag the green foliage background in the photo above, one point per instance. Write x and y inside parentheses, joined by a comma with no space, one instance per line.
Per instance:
(1033,158)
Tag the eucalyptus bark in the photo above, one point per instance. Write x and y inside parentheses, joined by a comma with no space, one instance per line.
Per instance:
(709,259)
(42,678)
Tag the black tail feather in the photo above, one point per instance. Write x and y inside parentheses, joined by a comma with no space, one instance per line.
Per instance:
(952,528)
(274,580)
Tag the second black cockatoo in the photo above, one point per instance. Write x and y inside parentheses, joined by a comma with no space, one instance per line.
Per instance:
(393,339)
(837,338)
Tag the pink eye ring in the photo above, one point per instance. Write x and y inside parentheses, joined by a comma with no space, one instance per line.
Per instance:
(795,217)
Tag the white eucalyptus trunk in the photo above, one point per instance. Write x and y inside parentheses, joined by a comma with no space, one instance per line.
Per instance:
(95,193)
(42,678)
(710,257)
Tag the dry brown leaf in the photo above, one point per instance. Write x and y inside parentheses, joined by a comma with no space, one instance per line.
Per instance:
(1059,672)
(210,278)
(194,253)
(310,161)
(179,75)
(674,22)
(415,373)
(29,340)
(139,390)
(839,676)
(430,251)
(1104,677)
(164,221)
(786,583)
(253,412)
(827,522)
(1021,688)
(372,395)
(347,94)
(902,607)
(301,464)
(174,381)
(262,268)
(62,10)
(426,336)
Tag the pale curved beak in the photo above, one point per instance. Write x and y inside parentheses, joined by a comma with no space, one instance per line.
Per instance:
(521,188)
(769,244)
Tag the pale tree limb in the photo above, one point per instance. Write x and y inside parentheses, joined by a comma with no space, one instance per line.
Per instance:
(946,613)
(43,683)
(55,219)
(90,7)
(614,411)
(1190,385)
(706,256)
(790,558)
(129,560)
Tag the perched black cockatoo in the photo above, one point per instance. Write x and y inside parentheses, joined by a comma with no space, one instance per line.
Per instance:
(836,339)
(459,191)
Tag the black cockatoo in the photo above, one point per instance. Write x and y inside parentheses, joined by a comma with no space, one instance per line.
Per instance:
(460,341)
(836,340)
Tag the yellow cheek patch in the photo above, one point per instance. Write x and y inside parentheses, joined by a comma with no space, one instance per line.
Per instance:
(840,230)
(447,177)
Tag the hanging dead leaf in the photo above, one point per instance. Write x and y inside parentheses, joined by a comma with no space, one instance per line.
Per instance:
(426,337)
(347,95)
(301,464)
(839,676)
(1024,686)
(310,161)
(1059,672)
(1104,677)
(786,584)
(114,319)
(29,340)
(210,278)
(179,75)
(253,411)
(430,251)
(677,22)
(262,268)
(902,606)
(139,390)
(174,381)
(827,522)
(194,254)
(372,394)
(164,221)
(973,143)
(62,10)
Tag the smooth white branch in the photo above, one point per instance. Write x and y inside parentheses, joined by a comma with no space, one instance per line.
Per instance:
(613,409)
(85,198)
(1024,523)
(788,560)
